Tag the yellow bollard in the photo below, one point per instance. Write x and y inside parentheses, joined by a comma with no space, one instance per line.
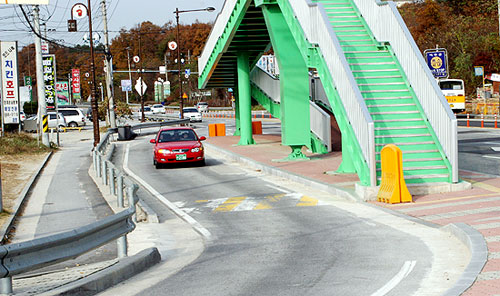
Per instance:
(393,186)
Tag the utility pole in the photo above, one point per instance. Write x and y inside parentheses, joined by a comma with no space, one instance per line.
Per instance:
(40,83)
(109,67)
(95,111)
(129,74)
(179,64)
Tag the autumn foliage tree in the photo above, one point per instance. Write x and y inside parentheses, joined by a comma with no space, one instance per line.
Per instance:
(467,29)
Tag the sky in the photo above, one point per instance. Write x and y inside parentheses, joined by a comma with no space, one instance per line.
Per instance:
(121,14)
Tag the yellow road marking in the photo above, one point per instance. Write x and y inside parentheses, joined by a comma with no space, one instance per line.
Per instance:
(274,198)
(230,204)
(202,200)
(484,185)
(264,205)
(307,201)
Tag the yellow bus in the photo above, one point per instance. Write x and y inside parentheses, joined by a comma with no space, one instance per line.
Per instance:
(454,91)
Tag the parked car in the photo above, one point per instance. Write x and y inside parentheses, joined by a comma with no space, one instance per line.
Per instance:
(202,107)
(74,116)
(177,145)
(147,111)
(192,114)
(60,121)
(31,123)
(158,109)
(22,116)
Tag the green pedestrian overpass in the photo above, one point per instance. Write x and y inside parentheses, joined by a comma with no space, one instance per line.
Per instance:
(371,75)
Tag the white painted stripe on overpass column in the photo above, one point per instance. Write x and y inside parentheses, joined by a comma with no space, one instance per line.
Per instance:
(403,272)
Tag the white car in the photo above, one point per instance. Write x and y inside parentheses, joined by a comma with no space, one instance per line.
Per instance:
(59,121)
(158,109)
(202,107)
(192,114)
(147,111)
(74,116)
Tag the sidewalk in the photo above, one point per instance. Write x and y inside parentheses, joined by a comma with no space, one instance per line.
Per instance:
(478,207)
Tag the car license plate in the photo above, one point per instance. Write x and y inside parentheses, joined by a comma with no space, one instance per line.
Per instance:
(180,157)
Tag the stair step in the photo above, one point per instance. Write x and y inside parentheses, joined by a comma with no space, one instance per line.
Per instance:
(354,35)
(390,105)
(389,98)
(347,26)
(366,64)
(429,176)
(365,51)
(374,70)
(361,45)
(382,83)
(384,90)
(407,143)
(402,136)
(417,159)
(395,112)
(433,167)
(399,127)
(418,151)
(356,40)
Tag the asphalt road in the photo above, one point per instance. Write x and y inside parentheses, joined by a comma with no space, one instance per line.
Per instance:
(479,150)
(270,240)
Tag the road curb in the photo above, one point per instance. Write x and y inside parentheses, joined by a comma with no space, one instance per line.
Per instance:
(476,244)
(6,228)
(104,279)
(284,174)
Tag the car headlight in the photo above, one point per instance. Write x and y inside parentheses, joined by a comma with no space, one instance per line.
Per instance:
(197,149)
(164,151)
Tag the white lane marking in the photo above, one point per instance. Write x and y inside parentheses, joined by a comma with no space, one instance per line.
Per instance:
(403,272)
(279,189)
(496,149)
(195,224)
(489,156)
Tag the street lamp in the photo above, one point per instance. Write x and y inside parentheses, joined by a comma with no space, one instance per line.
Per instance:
(177,12)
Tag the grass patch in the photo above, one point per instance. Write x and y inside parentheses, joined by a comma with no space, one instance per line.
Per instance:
(22,143)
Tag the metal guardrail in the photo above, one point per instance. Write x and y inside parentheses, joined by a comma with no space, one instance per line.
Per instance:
(320,125)
(387,25)
(268,84)
(21,257)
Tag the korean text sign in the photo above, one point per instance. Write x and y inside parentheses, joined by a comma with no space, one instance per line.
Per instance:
(75,83)
(10,82)
(49,76)
(437,62)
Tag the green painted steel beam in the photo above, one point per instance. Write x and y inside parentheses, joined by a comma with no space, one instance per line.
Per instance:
(294,82)
(244,99)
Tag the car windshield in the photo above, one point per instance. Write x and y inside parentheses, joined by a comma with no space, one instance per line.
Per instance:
(157,106)
(203,104)
(147,109)
(190,110)
(176,136)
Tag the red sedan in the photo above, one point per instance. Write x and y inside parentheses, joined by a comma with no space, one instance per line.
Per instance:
(177,145)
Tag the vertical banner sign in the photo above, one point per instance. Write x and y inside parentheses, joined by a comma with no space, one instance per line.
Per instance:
(437,60)
(27,82)
(10,83)
(75,77)
(49,76)
(62,93)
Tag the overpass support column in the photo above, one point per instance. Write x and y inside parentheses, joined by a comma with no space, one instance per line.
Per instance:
(294,83)
(244,99)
